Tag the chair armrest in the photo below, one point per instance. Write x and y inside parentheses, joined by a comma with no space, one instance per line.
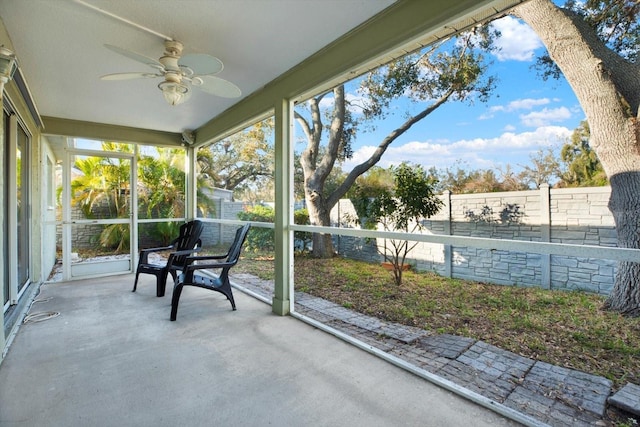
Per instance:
(144,253)
(193,267)
(189,272)
(186,252)
(176,254)
(205,257)
(191,259)
(149,250)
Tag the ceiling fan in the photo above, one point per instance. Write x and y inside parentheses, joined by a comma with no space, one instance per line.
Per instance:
(180,73)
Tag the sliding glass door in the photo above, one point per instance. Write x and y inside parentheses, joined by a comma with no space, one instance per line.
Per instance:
(17,191)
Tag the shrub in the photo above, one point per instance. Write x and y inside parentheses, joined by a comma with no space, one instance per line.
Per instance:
(259,238)
(263,238)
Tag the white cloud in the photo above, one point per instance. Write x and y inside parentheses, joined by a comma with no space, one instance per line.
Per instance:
(326,102)
(545,117)
(518,104)
(526,104)
(478,153)
(517,41)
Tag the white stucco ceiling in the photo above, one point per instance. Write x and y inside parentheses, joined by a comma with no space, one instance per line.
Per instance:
(60,49)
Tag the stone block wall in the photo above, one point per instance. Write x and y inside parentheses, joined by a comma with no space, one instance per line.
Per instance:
(581,217)
(218,234)
(571,216)
(85,236)
(362,249)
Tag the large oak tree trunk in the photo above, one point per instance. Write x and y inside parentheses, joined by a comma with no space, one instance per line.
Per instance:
(624,203)
(317,167)
(319,214)
(608,88)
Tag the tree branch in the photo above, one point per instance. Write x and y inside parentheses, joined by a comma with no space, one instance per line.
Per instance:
(335,134)
(313,133)
(377,154)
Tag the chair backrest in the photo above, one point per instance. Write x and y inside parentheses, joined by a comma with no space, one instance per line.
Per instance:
(189,238)
(236,247)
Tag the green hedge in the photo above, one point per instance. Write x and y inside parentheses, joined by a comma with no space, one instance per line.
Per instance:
(263,238)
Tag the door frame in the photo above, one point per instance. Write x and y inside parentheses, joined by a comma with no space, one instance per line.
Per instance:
(71,271)
(16,289)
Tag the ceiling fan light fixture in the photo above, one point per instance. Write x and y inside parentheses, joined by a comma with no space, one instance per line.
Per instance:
(179,73)
(175,93)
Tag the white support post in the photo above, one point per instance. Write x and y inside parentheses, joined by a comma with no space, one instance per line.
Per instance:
(133,215)
(545,234)
(191,209)
(448,249)
(12,218)
(3,219)
(66,215)
(222,215)
(282,303)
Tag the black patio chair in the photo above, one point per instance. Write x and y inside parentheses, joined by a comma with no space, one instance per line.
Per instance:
(208,280)
(187,242)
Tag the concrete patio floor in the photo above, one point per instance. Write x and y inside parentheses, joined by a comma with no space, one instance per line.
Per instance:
(113,358)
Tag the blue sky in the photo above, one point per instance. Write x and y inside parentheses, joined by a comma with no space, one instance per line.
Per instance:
(525,115)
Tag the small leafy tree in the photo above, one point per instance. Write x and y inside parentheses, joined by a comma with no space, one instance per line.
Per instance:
(583,167)
(544,168)
(401,208)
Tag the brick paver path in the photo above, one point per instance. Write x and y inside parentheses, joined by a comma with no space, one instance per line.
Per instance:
(545,393)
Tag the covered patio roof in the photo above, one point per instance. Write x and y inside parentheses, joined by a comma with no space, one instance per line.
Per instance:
(270,49)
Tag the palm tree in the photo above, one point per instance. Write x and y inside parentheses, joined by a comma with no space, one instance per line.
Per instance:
(103,191)
(161,190)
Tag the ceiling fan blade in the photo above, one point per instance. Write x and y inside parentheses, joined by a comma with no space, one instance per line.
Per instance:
(201,64)
(135,56)
(217,86)
(129,76)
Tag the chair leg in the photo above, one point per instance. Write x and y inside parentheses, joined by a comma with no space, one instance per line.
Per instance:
(175,299)
(161,282)
(225,289)
(135,283)
(174,275)
(229,294)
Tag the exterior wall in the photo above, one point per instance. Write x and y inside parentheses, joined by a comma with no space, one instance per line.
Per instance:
(12,95)
(571,216)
